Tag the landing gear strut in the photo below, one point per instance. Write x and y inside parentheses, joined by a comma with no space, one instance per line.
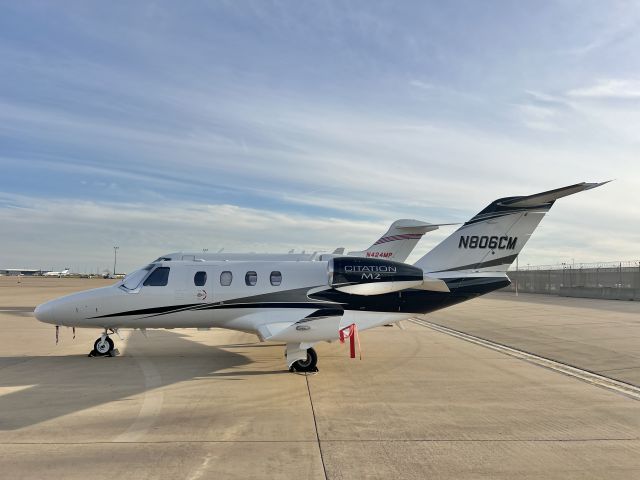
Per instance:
(103,347)
(306,364)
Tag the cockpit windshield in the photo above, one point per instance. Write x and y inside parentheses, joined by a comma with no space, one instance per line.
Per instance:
(134,279)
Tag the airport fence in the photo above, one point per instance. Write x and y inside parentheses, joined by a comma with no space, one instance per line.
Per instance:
(608,280)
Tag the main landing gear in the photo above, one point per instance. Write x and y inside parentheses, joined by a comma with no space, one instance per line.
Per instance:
(307,364)
(103,347)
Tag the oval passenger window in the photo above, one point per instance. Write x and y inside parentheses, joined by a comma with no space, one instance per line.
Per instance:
(276,278)
(200,278)
(251,278)
(226,278)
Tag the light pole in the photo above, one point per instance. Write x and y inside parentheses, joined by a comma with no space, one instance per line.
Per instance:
(115,257)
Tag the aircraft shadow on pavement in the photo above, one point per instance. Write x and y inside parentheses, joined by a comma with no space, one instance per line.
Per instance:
(17,311)
(61,385)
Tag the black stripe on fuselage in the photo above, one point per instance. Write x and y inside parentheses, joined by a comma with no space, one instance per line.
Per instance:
(293,296)
(155,312)
(417,300)
(151,311)
(330,302)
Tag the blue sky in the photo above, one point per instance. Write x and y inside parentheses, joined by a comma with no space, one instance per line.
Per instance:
(265,126)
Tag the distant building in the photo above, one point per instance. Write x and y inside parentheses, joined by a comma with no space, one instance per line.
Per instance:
(20,271)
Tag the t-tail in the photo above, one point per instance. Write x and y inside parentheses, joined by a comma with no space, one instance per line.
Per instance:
(399,241)
(491,240)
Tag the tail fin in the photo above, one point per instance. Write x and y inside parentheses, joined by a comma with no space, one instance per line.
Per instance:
(492,240)
(398,242)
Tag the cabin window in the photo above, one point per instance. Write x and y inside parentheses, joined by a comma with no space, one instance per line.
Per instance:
(200,278)
(251,278)
(276,278)
(226,278)
(158,278)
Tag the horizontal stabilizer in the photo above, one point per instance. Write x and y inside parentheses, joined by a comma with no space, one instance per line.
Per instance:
(549,196)
(415,226)
(426,226)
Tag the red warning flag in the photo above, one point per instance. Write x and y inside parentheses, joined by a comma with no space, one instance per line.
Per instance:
(351,332)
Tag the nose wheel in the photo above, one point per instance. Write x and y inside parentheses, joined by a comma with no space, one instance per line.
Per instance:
(103,347)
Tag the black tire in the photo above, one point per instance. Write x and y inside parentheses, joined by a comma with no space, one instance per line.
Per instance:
(308,364)
(99,347)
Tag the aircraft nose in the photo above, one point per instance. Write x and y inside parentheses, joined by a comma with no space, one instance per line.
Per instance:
(45,312)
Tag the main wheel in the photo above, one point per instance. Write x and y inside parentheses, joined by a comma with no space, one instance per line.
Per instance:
(308,364)
(103,347)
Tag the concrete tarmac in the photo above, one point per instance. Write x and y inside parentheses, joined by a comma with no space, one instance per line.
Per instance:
(219,404)
(602,336)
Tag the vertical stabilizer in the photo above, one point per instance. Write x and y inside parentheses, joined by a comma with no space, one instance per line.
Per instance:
(491,240)
(398,242)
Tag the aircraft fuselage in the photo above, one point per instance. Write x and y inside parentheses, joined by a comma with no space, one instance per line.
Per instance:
(227,294)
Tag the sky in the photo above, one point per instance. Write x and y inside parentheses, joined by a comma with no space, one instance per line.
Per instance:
(274,125)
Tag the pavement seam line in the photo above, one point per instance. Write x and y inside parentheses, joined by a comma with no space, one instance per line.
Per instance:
(315,424)
(345,440)
(569,370)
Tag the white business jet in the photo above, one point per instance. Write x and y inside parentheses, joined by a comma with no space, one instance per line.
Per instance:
(62,273)
(305,302)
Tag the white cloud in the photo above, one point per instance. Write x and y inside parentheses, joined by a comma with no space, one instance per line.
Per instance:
(420,84)
(44,233)
(538,117)
(82,233)
(171,106)
(611,88)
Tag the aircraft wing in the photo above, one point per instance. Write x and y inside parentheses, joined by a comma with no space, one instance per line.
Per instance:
(311,325)
(293,324)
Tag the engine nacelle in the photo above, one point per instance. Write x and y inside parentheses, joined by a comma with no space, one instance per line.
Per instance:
(372,276)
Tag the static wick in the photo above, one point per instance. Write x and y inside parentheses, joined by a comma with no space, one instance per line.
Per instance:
(73,329)
(57,333)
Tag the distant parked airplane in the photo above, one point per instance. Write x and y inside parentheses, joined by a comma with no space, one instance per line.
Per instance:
(305,302)
(63,273)
(397,243)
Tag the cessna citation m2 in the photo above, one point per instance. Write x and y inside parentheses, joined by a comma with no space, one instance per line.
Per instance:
(301,303)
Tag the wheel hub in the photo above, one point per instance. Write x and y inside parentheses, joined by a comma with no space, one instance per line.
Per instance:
(102,346)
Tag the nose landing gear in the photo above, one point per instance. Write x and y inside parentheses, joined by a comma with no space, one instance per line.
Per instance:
(103,347)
